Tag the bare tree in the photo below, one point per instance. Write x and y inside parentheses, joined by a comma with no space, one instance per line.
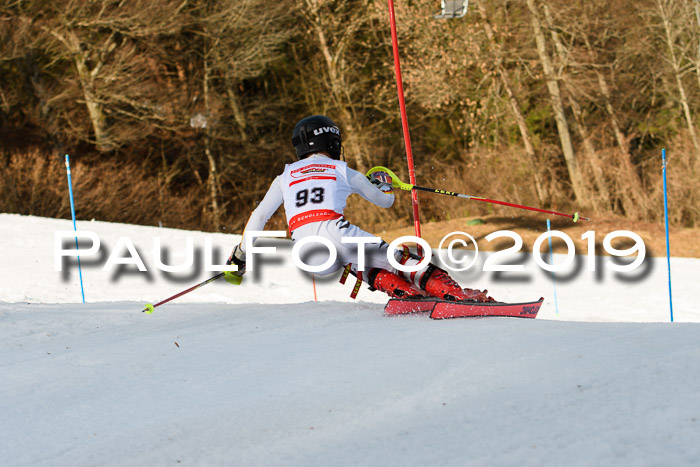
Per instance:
(238,40)
(668,12)
(577,183)
(564,62)
(14,36)
(105,43)
(525,133)
(601,60)
(247,36)
(335,28)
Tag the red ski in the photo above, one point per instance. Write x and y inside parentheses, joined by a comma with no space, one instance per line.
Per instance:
(443,309)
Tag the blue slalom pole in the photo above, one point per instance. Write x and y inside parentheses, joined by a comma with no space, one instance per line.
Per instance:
(668,247)
(72,212)
(551,260)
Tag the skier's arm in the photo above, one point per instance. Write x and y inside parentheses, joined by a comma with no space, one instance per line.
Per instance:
(369,191)
(267,207)
(256,222)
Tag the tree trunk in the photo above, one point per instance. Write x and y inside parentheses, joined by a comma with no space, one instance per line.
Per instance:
(632,199)
(213,184)
(94,108)
(235,105)
(577,183)
(578,123)
(87,77)
(619,136)
(676,65)
(233,99)
(596,166)
(213,179)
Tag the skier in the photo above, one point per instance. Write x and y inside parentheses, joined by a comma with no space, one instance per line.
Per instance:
(314,191)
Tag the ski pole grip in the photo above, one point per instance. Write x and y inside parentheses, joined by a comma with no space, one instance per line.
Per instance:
(395,180)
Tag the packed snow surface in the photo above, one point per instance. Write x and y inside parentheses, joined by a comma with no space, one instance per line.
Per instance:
(261,374)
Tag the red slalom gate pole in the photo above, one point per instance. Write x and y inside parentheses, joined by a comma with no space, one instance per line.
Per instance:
(404,119)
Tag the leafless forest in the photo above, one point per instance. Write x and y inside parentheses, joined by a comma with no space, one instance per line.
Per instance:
(180,112)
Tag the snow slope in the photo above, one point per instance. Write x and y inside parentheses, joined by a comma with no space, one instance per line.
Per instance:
(28,251)
(262,375)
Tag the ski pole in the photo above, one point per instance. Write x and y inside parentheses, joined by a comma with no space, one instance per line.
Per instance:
(397,183)
(668,248)
(72,212)
(235,279)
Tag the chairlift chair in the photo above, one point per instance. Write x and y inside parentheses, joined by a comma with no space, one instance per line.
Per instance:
(452,9)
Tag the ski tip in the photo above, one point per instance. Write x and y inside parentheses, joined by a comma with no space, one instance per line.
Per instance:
(148,310)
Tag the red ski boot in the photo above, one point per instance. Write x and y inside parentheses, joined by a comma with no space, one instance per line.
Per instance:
(440,284)
(392,284)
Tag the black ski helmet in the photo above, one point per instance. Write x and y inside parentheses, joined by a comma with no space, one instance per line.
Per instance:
(317,134)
